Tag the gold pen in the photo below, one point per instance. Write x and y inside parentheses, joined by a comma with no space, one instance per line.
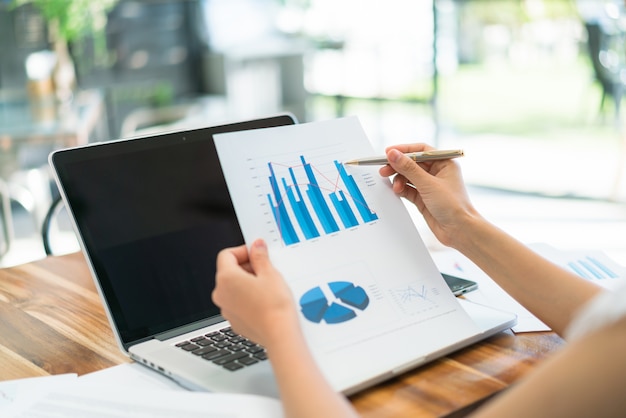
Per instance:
(415,156)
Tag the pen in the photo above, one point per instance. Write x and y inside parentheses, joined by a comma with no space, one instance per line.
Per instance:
(415,156)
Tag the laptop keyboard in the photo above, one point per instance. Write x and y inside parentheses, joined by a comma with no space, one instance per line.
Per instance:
(225,348)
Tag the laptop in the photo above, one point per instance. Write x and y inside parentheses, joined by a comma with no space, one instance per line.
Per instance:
(151,213)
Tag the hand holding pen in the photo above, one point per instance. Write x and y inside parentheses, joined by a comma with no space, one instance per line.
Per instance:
(415,156)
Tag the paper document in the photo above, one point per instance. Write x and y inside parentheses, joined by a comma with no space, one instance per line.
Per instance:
(19,395)
(123,391)
(132,375)
(342,239)
(489,293)
(594,266)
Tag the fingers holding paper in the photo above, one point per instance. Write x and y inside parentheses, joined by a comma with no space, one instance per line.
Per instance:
(252,294)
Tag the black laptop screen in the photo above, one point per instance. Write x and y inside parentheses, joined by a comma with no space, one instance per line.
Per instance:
(153,213)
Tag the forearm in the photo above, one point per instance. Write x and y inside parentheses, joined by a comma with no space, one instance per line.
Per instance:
(303,389)
(545,289)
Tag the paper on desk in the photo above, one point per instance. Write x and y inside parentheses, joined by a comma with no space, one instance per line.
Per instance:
(488,293)
(122,402)
(591,265)
(132,375)
(18,395)
(594,266)
(124,391)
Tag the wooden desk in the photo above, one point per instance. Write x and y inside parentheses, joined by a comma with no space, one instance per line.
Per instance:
(52,322)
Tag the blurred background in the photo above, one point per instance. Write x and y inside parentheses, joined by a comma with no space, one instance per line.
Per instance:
(530,89)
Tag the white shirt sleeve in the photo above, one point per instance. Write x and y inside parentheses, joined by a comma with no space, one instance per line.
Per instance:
(606,308)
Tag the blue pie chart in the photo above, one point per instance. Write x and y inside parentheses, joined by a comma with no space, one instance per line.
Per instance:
(349,300)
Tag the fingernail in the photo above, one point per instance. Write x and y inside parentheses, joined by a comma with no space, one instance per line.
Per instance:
(259,244)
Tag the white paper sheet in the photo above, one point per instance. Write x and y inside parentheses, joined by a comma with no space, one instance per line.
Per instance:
(132,375)
(592,265)
(124,391)
(92,401)
(18,395)
(489,293)
(377,254)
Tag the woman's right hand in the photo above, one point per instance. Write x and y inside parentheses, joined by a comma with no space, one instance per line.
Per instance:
(436,188)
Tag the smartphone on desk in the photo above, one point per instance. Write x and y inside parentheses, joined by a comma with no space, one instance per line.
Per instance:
(458,285)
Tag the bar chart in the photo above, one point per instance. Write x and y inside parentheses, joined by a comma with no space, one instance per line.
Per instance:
(591,268)
(307,203)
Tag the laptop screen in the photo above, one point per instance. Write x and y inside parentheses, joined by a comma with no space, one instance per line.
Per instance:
(152,214)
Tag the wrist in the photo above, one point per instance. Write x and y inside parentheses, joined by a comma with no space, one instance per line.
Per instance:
(286,348)
(470,227)
(283,330)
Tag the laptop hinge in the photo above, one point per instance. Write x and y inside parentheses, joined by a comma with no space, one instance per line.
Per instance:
(189,328)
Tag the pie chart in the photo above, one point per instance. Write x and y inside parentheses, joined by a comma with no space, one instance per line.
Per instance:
(349,299)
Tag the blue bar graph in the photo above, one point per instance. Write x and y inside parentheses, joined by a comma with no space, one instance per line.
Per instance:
(281,216)
(343,208)
(591,268)
(317,199)
(356,194)
(302,209)
(303,216)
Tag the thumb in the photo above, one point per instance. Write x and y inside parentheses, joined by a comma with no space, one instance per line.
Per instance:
(259,257)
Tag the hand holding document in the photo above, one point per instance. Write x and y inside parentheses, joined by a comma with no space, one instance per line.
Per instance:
(344,242)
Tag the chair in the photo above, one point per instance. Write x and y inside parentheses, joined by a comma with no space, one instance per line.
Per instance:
(189,113)
(608,58)
(56,232)
(6,222)
(148,119)
(607,62)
